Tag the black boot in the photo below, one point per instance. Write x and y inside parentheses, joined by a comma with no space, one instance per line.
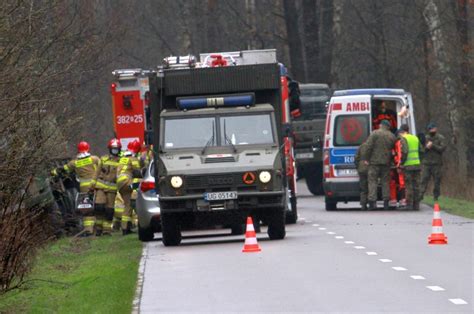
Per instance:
(416,206)
(363,206)
(372,205)
(385,205)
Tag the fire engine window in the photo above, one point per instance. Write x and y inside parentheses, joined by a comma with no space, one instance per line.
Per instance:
(190,133)
(351,130)
(245,130)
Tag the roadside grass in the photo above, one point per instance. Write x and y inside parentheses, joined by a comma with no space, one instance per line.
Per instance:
(453,206)
(87,275)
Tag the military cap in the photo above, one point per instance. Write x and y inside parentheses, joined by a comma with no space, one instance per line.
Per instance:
(385,122)
(431,125)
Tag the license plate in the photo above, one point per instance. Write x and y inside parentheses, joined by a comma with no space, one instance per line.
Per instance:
(218,196)
(347,172)
(304,155)
(83,206)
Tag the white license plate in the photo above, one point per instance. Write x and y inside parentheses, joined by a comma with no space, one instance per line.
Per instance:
(218,196)
(84,206)
(304,155)
(347,172)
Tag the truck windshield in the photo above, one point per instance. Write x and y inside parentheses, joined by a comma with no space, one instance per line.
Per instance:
(245,130)
(314,92)
(351,130)
(313,103)
(189,132)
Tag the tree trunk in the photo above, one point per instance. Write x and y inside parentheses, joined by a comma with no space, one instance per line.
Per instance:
(454,107)
(252,22)
(294,40)
(311,35)
(334,60)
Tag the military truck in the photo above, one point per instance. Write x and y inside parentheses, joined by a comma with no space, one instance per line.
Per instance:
(218,138)
(308,129)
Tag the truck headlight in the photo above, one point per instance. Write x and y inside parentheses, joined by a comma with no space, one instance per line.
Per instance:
(265,176)
(176,182)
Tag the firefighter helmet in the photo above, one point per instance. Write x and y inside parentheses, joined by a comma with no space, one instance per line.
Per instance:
(83,147)
(134,146)
(114,143)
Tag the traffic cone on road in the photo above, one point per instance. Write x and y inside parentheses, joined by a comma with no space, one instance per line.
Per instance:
(251,244)
(437,236)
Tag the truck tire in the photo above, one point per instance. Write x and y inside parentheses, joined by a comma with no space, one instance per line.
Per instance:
(145,234)
(237,229)
(331,205)
(171,230)
(314,182)
(276,224)
(291,212)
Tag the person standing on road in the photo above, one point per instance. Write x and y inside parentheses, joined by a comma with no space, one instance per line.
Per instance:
(397,158)
(86,167)
(411,166)
(362,170)
(432,160)
(379,158)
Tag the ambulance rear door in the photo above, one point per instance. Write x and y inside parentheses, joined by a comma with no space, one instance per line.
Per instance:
(348,125)
(401,101)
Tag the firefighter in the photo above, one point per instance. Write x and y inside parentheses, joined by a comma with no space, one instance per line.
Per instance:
(400,191)
(107,186)
(383,113)
(119,208)
(86,167)
(411,165)
(129,168)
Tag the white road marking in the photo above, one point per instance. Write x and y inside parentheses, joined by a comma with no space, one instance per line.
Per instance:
(385,260)
(435,288)
(458,301)
(358,247)
(417,277)
(398,268)
(339,237)
(371,253)
(315,225)
(322,228)
(349,242)
(330,232)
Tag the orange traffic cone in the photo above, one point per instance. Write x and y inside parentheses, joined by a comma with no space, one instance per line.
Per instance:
(437,236)
(251,244)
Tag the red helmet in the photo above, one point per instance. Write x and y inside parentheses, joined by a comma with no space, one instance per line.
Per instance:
(134,146)
(114,143)
(83,147)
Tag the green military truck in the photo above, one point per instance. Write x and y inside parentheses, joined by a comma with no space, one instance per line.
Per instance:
(218,144)
(308,130)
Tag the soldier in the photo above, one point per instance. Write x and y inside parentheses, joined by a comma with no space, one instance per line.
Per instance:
(432,160)
(129,168)
(379,157)
(362,170)
(411,165)
(86,167)
(107,184)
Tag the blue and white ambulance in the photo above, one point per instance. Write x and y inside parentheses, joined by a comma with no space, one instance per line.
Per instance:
(351,117)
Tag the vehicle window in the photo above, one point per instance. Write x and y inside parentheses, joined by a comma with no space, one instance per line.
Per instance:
(197,133)
(351,130)
(314,92)
(312,109)
(248,129)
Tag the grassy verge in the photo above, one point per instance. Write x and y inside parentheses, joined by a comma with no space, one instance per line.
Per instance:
(453,206)
(92,275)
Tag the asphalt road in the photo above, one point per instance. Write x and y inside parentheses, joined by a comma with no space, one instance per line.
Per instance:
(344,261)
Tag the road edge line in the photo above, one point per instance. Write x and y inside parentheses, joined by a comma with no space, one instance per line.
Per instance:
(140,280)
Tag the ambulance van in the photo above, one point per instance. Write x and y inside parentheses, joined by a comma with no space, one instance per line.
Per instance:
(351,117)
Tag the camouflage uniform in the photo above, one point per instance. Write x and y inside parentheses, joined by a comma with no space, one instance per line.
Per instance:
(379,154)
(432,163)
(362,170)
(411,170)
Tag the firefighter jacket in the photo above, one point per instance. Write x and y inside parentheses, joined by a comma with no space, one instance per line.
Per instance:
(411,151)
(360,157)
(107,179)
(129,167)
(433,155)
(86,169)
(398,153)
(379,147)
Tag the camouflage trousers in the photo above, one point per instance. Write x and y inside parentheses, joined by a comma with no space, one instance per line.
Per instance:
(364,187)
(427,172)
(377,172)
(412,188)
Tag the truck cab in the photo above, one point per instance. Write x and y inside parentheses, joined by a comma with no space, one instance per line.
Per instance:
(352,116)
(218,137)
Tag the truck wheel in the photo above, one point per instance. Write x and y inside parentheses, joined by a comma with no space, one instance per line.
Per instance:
(314,182)
(237,229)
(170,230)
(145,234)
(292,212)
(276,224)
(331,205)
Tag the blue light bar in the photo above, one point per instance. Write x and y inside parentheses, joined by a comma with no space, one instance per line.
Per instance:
(369,91)
(216,101)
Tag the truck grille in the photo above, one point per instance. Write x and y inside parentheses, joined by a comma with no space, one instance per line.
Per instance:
(234,181)
(218,160)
